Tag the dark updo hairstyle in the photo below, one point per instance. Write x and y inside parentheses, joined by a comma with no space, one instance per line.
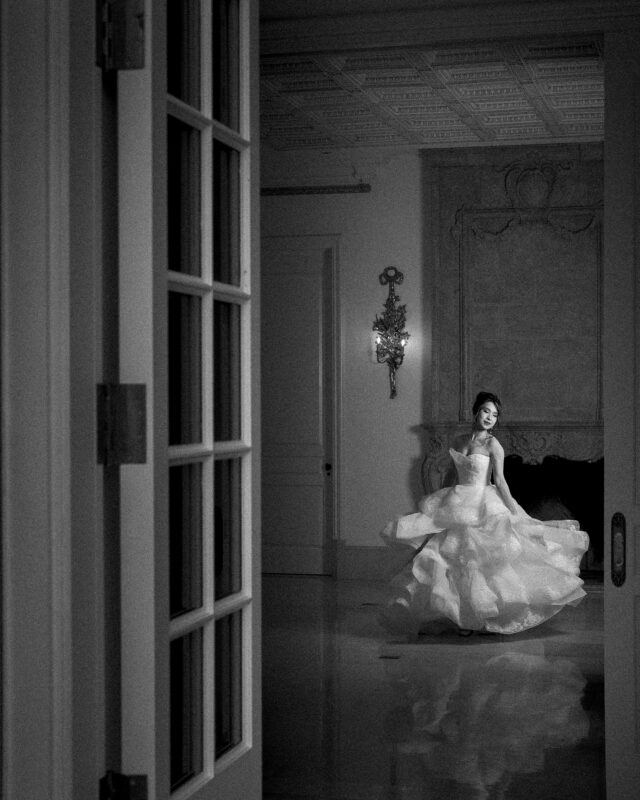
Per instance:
(486,397)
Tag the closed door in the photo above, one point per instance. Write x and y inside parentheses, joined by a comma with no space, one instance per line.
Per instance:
(299,342)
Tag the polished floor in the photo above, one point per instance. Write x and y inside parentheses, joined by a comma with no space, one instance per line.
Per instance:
(352,712)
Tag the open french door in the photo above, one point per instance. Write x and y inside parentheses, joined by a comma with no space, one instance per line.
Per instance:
(187,229)
(622,413)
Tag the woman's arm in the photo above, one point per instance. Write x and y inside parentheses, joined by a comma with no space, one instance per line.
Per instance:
(497,458)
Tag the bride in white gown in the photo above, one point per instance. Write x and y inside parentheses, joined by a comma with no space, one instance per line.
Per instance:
(481,561)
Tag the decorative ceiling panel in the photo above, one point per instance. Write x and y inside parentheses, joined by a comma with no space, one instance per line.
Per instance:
(536,92)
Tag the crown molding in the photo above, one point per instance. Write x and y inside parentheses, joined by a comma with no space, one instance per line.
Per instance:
(481,156)
(437,23)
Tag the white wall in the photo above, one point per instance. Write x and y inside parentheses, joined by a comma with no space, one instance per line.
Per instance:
(380,446)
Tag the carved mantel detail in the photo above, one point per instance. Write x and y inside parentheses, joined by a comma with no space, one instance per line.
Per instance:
(532,441)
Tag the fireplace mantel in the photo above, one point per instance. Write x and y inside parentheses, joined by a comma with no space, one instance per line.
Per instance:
(532,441)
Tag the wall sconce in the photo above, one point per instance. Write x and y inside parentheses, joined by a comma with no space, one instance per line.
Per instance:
(391,337)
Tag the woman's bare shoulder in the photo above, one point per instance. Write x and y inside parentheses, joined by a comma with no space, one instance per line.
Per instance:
(494,446)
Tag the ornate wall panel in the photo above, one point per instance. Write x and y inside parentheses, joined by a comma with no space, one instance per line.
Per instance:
(518,285)
(529,310)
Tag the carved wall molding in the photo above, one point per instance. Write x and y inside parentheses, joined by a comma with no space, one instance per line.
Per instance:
(581,220)
(565,220)
(493,225)
(529,181)
(517,289)
(474,226)
(532,441)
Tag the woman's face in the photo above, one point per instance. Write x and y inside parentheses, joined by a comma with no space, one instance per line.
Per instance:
(487,415)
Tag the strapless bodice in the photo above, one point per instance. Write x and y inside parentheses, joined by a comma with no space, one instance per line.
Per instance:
(473,470)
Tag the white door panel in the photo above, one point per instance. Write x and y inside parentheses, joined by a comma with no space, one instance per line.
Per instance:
(292,331)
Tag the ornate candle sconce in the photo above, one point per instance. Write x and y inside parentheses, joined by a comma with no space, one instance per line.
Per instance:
(392,338)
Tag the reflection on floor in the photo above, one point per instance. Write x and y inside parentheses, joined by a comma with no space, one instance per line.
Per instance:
(354,713)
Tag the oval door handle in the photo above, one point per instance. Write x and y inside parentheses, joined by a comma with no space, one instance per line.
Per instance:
(618,548)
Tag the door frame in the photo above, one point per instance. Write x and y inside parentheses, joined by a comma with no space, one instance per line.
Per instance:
(622,435)
(52,600)
(36,424)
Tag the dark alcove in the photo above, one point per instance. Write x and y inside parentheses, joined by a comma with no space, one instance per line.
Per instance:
(558,488)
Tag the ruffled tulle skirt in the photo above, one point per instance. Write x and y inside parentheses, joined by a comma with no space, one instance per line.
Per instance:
(480,567)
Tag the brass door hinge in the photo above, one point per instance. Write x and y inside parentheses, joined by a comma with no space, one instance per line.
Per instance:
(120,34)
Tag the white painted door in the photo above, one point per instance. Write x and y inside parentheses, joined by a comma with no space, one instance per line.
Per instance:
(298,400)
(189,528)
(622,410)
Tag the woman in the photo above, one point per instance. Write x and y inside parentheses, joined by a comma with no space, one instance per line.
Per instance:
(481,561)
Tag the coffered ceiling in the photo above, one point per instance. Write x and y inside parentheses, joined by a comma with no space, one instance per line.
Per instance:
(507,92)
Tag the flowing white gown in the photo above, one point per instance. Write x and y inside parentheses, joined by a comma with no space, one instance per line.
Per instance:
(477,564)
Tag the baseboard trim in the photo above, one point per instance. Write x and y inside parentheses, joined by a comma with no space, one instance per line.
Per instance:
(377,563)
(293,560)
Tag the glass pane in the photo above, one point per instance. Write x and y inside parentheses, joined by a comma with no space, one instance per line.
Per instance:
(225,62)
(186,708)
(226,371)
(228,682)
(183,50)
(183,181)
(226,214)
(185,369)
(185,538)
(228,527)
